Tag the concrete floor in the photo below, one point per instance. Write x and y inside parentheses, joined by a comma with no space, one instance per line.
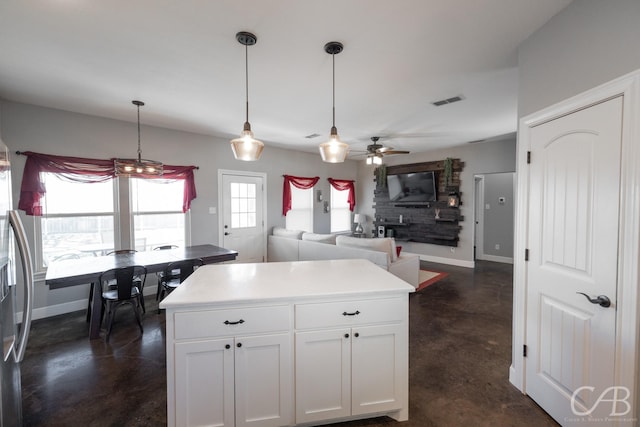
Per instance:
(460,352)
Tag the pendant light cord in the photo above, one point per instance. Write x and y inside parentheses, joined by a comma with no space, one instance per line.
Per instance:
(333,58)
(139,149)
(246,79)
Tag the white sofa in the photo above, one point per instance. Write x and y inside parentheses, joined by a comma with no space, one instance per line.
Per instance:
(293,245)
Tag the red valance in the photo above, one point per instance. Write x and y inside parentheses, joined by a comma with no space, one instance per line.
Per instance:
(342,185)
(300,182)
(79,169)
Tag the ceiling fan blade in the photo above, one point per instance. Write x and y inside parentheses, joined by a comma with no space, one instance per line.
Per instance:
(384,149)
(387,152)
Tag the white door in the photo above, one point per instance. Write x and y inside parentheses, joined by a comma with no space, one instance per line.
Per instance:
(263,380)
(204,383)
(243,227)
(478,225)
(375,349)
(323,375)
(573,248)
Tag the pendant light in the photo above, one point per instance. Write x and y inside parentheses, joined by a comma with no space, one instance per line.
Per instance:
(139,166)
(334,150)
(246,147)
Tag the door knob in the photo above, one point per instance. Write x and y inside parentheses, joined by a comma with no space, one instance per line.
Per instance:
(601,300)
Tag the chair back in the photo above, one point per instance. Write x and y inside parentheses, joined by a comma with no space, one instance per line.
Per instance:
(122,251)
(124,279)
(181,269)
(163,247)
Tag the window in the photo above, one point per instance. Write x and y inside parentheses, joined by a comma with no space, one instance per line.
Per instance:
(243,204)
(79,226)
(156,207)
(300,217)
(340,213)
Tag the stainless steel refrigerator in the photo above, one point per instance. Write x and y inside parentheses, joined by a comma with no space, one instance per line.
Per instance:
(14,331)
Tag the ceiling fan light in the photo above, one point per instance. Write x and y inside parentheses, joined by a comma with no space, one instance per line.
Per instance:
(377,160)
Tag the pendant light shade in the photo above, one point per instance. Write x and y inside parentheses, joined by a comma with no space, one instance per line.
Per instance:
(334,150)
(246,147)
(138,167)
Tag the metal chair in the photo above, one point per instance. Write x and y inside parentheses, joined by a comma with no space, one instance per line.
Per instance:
(115,252)
(174,274)
(125,292)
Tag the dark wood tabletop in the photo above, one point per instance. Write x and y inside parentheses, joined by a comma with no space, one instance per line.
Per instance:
(73,272)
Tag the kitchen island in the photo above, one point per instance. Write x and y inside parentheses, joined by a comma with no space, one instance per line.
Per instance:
(287,343)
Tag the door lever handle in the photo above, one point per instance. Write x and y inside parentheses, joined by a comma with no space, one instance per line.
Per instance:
(601,300)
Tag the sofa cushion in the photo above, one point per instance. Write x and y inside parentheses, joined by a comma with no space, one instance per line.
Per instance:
(383,244)
(290,234)
(320,238)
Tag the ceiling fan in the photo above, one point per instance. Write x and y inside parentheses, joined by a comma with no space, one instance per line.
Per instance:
(376,151)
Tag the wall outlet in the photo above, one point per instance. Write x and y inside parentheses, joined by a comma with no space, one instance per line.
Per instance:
(497,246)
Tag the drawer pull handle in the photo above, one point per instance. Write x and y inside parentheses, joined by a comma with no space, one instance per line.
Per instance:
(351,314)
(226,322)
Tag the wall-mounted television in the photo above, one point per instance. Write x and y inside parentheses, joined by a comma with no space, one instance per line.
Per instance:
(412,187)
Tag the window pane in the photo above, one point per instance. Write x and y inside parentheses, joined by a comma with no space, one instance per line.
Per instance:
(243,205)
(157,195)
(300,217)
(76,237)
(340,213)
(66,197)
(153,230)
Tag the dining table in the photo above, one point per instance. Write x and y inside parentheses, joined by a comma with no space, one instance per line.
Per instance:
(74,272)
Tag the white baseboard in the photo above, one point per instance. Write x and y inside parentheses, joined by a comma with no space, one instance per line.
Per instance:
(70,307)
(449,261)
(496,258)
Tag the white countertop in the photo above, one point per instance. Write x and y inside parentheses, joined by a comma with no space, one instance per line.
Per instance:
(252,283)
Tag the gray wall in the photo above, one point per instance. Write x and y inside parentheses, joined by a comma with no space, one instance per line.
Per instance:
(479,158)
(27,127)
(498,219)
(588,43)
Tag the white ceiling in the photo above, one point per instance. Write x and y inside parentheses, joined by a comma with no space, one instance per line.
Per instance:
(182,59)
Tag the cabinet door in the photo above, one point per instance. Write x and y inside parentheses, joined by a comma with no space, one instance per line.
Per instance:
(323,375)
(263,378)
(376,376)
(204,377)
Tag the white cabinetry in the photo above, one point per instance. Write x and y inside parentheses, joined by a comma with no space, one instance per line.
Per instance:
(229,370)
(230,344)
(351,359)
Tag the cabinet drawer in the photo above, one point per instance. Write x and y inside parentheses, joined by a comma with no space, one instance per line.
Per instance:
(231,322)
(347,313)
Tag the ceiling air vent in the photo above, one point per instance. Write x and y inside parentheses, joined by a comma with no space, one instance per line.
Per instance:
(448,101)
(313,135)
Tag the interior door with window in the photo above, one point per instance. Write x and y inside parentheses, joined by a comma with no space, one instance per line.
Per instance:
(243,227)
(572,270)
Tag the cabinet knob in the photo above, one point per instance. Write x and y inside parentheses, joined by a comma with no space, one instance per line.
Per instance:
(239,345)
(346,335)
(227,346)
(356,335)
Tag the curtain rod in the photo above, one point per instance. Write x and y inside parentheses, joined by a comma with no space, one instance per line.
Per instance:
(21,153)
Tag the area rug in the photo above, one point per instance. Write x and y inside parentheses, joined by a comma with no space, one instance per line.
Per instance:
(429,278)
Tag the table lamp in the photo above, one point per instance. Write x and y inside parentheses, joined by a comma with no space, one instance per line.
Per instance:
(359,219)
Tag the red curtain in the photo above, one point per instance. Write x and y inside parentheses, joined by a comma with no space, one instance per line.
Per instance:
(78,169)
(300,182)
(342,185)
